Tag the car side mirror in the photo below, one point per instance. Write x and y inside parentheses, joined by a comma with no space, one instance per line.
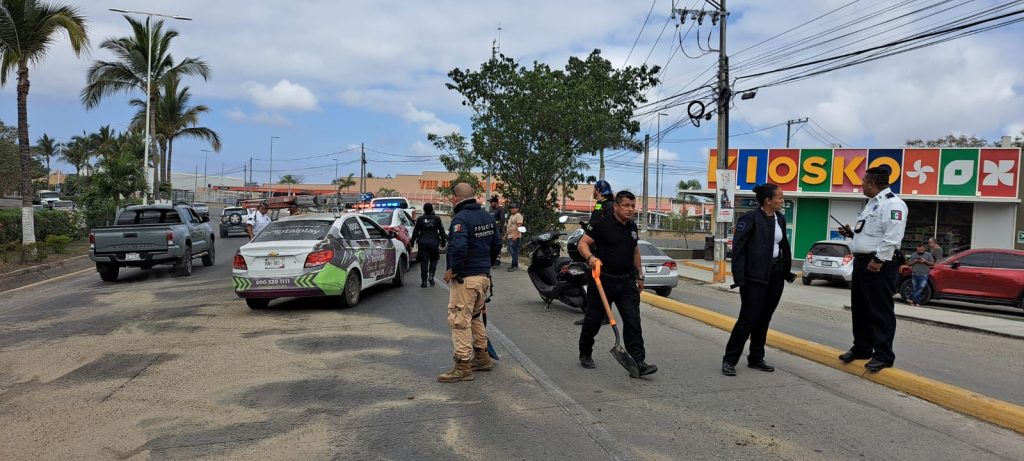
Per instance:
(392,234)
(955,265)
(521,229)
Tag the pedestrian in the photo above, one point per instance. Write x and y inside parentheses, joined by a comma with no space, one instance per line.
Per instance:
(761,261)
(258,220)
(473,241)
(498,213)
(935,249)
(920,265)
(604,206)
(515,221)
(428,234)
(876,239)
(622,277)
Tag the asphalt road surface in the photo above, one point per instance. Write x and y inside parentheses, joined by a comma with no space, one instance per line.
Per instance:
(162,367)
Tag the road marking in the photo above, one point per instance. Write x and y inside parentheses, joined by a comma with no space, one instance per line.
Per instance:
(48,280)
(590,424)
(955,398)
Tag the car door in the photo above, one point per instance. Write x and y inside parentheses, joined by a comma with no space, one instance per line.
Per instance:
(967,275)
(1007,276)
(356,241)
(200,239)
(383,253)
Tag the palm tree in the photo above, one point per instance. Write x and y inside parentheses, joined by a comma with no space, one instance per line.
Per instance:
(27,29)
(47,148)
(346,182)
(77,153)
(686,185)
(128,73)
(386,192)
(290,179)
(102,141)
(174,119)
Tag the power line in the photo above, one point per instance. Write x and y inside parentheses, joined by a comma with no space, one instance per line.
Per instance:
(639,34)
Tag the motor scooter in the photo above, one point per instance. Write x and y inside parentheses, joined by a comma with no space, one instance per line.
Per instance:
(556,277)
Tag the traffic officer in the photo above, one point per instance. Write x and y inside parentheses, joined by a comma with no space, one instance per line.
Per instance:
(621,275)
(876,240)
(429,235)
(473,241)
(258,220)
(604,207)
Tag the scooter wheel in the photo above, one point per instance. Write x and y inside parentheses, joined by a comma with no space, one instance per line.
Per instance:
(545,299)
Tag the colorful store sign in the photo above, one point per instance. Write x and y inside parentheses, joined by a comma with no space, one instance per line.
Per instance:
(970,172)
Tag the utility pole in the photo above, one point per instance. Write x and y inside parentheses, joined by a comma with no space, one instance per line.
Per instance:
(245,179)
(335,169)
(600,171)
(791,123)
(362,168)
(206,154)
(657,174)
(643,208)
(195,184)
(724,98)
(270,172)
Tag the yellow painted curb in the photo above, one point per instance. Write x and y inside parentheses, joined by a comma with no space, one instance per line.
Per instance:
(995,411)
(703,268)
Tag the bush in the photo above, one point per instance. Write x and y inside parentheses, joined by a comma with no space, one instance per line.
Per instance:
(58,243)
(47,223)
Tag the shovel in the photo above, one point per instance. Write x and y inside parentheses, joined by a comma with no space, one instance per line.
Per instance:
(617,351)
(490,347)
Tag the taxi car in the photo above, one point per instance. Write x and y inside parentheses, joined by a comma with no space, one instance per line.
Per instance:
(318,255)
(396,219)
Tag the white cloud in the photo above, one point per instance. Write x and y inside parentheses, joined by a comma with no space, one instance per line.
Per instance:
(284,95)
(428,121)
(259,118)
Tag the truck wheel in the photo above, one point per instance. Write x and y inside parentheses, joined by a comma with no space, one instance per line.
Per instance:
(184,267)
(350,295)
(108,272)
(257,303)
(403,266)
(806,280)
(211,255)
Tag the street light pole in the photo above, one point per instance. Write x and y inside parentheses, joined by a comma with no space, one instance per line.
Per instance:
(657,179)
(149,89)
(206,153)
(270,173)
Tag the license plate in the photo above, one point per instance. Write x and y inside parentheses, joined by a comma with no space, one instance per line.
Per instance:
(273,263)
(651,270)
(826,263)
(132,257)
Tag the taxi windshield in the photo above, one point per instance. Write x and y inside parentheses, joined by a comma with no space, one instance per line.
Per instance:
(382,217)
(294,230)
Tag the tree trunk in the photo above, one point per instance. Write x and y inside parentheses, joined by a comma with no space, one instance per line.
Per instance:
(28,228)
(167,167)
(153,155)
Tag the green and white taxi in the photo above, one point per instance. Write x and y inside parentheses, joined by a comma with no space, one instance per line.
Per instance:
(318,255)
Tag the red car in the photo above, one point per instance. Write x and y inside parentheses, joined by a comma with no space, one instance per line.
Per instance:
(984,276)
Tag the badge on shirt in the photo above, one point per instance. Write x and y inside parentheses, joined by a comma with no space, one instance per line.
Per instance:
(896,215)
(634,235)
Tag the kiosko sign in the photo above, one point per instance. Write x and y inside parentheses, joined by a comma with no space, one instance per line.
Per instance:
(981,172)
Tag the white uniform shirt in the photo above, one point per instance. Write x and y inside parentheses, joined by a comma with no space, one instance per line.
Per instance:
(879,228)
(258,221)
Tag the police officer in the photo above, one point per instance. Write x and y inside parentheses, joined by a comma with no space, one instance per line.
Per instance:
(604,207)
(621,275)
(473,241)
(429,235)
(876,239)
(258,220)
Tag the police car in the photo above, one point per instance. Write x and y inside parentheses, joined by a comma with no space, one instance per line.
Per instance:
(318,255)
(395,219)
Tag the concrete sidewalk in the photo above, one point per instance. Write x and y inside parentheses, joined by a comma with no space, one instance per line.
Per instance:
(838,297)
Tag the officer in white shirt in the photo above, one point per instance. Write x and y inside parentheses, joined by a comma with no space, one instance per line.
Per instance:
(258,220)
(876,239)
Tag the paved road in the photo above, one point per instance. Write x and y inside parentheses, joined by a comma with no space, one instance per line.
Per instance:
(163,367)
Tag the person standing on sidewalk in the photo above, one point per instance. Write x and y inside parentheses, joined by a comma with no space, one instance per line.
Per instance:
(515,221)
(936,250)
(761,262)
(428,234)
(920,265)
(473,241)
(876,239)
(622,277)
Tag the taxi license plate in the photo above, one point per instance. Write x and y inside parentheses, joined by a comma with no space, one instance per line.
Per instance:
(132,257)
(651,269)
(826,263)
(273,263)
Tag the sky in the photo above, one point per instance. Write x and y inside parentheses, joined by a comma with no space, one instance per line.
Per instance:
(325,76)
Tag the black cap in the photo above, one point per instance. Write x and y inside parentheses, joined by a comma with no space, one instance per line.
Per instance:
(513,205)
(494,198)
(881,169)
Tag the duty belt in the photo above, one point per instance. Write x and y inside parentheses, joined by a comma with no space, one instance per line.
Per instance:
(616,276)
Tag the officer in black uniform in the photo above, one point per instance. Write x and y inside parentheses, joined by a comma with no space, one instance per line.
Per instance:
(621,275)
(429,235)
(603,208)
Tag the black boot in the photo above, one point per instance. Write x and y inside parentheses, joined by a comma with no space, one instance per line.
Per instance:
(423,284)
(430,279)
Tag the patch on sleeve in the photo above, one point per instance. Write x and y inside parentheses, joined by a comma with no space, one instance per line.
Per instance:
(741,225)
(896,215)
(890,195)
(457,228)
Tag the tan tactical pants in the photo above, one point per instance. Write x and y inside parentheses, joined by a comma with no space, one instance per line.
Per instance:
(465,309)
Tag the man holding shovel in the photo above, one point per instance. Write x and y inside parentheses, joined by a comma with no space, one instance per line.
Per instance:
(622,279)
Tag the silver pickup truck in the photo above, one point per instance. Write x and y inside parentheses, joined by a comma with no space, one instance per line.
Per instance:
(147,235)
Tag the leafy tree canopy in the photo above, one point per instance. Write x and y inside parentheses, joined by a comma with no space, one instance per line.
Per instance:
(458,158)
(949,140)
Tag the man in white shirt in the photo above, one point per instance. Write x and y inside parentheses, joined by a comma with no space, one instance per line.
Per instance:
(258,220)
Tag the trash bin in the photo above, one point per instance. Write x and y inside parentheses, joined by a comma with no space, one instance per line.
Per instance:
(709,247)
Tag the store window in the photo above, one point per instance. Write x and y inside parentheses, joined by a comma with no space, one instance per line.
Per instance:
(953,226)
(920,224)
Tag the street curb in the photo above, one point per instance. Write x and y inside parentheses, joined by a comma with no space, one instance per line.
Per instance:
(29,276)
(994,411)
(955,326)
(40,267)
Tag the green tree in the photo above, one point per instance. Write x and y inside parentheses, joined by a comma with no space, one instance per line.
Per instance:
(77,153)
(534,125)
(949,140)
(175,118)
(128,73)
(345,183)
(27,29)
(457,158)
(386,192)
(290,179)
(46,149)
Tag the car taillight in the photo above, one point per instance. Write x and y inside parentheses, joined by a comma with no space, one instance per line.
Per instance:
(170,237)
(810,257)
(239,263)
(847,259)
(319,258)
(671,265)
(92,241)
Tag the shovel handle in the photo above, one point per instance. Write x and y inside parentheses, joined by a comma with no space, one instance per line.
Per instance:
(596,273)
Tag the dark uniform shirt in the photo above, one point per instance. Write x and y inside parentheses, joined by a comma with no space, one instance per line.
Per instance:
(602,209)
(474,240)
(429,227)
(616,244)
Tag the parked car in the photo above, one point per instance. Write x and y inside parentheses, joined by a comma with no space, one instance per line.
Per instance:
(62,205)
(660,271)
(318,255)
(983,276)
(830,260)
(148,235)
(396,219)
(201,208)
(233,221)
